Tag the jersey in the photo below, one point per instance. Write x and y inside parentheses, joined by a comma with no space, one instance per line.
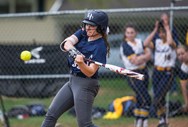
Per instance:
(95,50)
(182,71)
(164,54)
(184,68)
(127,49)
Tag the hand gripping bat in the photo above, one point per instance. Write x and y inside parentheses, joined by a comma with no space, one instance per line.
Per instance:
(73,52)
(118,70)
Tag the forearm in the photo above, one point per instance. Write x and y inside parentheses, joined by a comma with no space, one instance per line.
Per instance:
(184,90)
(68,45)
(148,40)
(87,70)
(169,38)
(141,59)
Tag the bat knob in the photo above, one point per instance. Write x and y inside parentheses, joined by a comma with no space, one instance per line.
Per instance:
(141,77)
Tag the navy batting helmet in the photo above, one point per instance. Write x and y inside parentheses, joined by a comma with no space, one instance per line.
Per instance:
(97,18)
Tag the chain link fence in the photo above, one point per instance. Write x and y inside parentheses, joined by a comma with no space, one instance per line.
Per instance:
(47,71)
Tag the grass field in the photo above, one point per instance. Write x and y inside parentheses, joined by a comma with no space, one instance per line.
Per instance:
(111,88)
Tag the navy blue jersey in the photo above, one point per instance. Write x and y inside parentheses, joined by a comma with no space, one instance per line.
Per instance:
(181,73)
(127,49)
(95,50)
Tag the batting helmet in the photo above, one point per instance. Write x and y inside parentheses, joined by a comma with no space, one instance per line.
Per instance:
(97,18)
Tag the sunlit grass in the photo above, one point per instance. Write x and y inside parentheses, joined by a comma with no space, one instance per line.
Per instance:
(110,89)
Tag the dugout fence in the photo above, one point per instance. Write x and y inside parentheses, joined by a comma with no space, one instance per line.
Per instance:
(47,71)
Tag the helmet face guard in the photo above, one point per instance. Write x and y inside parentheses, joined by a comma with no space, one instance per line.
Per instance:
(97,18)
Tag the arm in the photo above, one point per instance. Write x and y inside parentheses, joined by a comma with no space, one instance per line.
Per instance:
(147,42)
(175,35)
(87,70)
(69,43)
(184,84)
(169,38)
(138,60)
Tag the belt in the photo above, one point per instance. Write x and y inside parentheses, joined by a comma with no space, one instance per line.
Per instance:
(163,68)
(79,74)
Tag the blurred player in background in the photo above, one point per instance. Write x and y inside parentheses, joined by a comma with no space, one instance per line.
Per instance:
(182,53)
(135,56)
(165,18)
(82,87)
(164,49)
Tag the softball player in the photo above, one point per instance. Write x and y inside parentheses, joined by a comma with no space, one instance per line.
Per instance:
(165,17)
(182,53)
(82,87)
(164,62)
(134,57)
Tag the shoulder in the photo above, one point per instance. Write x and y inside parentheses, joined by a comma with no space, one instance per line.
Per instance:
(97,45)
(138,40)
(126,49)
(101,44)
(79,33)
(125,44)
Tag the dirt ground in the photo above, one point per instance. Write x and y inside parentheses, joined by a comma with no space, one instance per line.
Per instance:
(173,122)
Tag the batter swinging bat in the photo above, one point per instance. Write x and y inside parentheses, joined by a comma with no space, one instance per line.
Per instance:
(119,70)
(74,52)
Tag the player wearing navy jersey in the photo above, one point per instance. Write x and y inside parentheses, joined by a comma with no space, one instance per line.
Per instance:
(164,62)
(134,57)
(82,87)
(182,54)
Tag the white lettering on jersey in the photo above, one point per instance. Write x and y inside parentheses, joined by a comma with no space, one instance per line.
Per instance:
(74,64)
(90,57)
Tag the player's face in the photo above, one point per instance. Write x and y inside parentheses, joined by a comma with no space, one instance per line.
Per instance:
(181,54)
(162,34)
(185,56)
(165,18)
(130,33)
(91,30)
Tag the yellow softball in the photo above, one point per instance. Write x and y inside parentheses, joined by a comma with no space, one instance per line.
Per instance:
(25,55)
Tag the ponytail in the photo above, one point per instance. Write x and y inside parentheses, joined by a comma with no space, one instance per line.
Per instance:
(104,35)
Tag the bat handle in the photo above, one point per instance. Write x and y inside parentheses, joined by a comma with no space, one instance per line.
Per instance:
(141,77)
(95,62)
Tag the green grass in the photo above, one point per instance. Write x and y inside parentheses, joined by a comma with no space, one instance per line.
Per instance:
(111,88)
